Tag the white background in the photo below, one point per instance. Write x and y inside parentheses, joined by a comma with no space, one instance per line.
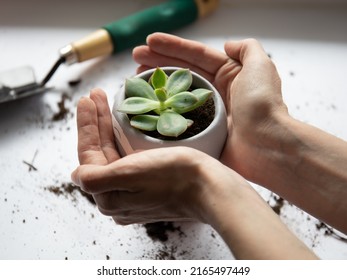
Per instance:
(306,39)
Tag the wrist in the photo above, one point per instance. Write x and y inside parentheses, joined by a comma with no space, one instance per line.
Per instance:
(243,219)
(299,161)
(257,148)
(276,147)
(221,191)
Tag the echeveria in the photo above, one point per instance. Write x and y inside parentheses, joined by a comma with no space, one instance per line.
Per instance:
(159,103)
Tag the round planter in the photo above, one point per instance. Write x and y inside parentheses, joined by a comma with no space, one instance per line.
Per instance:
(210,141)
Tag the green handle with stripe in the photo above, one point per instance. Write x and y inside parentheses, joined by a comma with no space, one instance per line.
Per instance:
(133,30)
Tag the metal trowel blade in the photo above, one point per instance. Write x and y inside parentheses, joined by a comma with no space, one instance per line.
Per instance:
(18,83)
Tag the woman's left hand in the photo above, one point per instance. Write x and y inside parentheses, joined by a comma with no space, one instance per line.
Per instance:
(148,186)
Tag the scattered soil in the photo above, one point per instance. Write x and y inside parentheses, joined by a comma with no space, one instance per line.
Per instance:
(278,203)
(328,231)
(278,206)
(69,190)
(63,112)
(159,231)
(167,253)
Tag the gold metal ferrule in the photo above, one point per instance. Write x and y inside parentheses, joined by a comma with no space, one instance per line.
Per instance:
(96,44)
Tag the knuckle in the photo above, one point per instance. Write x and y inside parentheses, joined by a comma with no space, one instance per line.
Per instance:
(108,203)
(106,212)
(121,221)
(251,41)
(87,181)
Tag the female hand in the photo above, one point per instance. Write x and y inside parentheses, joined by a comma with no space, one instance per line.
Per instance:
(265,145)
(148,186)
(247,80)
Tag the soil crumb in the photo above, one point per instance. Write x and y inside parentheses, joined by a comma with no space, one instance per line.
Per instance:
(278,203)
(69,190)
(74,83)
(166,252)
(159,231)
(63,112)
(328,231)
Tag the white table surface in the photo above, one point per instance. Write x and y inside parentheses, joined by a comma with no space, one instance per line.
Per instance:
(308,43)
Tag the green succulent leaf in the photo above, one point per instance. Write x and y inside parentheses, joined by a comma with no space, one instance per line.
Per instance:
(138,105)
(161,94)
(202,95)
(171,124)
(179,81)
(181,100)
(145,122)
(137,87)
(158,78)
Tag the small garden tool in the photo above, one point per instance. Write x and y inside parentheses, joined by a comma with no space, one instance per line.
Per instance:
(111,38)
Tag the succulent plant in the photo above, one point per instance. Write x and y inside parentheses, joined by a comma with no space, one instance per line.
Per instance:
(159,103)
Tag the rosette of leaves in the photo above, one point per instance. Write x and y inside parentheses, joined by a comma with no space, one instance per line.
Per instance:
(159,103)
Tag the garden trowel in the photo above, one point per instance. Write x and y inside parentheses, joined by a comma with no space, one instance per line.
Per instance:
(111,38)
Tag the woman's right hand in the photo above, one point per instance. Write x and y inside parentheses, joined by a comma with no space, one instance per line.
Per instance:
(299,162)
(247,80)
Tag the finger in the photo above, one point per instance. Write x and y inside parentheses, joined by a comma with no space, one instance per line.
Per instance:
(119,203)
(135,172)
(89,146)
(126,174)
(139,207)
(97,179)
(92,178)
(143,68)
(149,59)
(190,51)
(107,140)
(253,57)
(245,51)
(146,217)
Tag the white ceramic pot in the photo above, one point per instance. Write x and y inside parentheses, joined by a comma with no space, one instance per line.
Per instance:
(210,141)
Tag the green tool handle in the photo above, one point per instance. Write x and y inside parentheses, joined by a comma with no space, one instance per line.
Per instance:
(130,31)
(133,30)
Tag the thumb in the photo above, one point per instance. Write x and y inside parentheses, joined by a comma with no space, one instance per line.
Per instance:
(91,178)
(245,51)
